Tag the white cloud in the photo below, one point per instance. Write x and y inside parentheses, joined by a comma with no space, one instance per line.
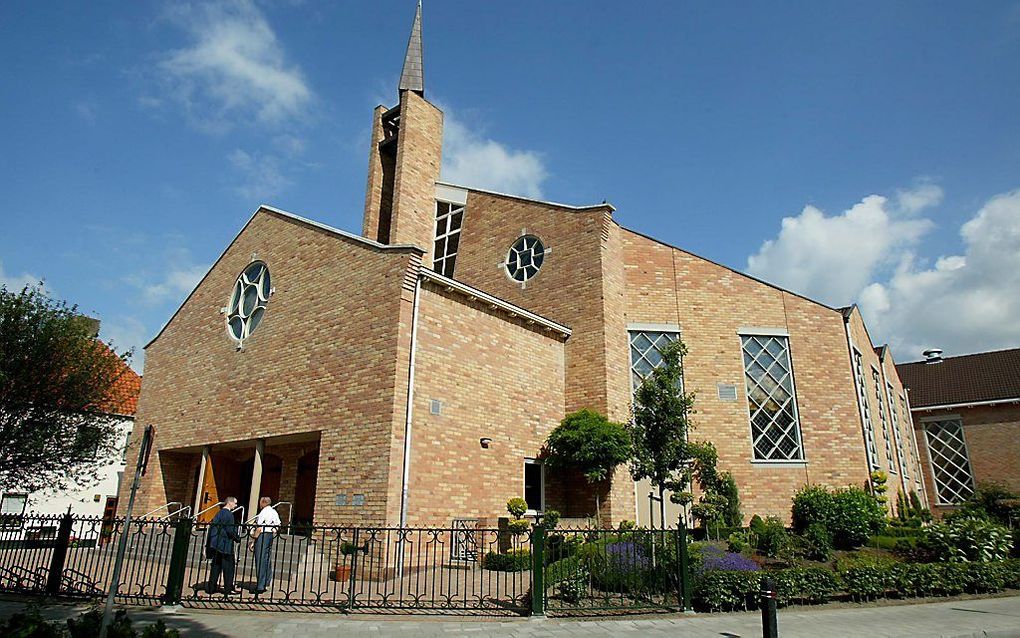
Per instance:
(469,158)
(15,283)
(831,258)
(234,67)
(962,303)
(171,285)
(261,176)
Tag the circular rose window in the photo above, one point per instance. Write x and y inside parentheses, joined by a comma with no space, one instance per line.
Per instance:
(525,258)
(248,301)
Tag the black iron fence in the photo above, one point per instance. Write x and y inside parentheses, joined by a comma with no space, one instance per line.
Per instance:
(476,570)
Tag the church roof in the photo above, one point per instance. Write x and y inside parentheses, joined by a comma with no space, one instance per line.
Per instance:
(970,378)
(412,76)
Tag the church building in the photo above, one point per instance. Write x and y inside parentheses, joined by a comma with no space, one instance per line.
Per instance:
(410,375)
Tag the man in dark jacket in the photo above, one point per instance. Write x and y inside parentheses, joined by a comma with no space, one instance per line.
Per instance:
(220,547)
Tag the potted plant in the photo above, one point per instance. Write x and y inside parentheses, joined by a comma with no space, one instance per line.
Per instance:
(343,567)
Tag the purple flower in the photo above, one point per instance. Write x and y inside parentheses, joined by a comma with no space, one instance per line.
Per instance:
(715,559)
(627,556)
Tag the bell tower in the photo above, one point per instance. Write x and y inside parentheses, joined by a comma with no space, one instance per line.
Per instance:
(404,158)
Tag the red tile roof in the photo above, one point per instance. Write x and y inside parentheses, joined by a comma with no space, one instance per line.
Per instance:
(123,399)
(971,378)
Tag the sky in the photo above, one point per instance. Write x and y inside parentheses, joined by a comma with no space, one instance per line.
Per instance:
(862,152)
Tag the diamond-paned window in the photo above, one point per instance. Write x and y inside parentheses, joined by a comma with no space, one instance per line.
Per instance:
(248,301)
(894,418)
(950,465)
(449,218)
(646,348)
(525,258)
(771,398)
(880,402)
(862,399)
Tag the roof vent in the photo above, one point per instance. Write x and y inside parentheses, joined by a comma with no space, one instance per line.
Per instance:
(933,355)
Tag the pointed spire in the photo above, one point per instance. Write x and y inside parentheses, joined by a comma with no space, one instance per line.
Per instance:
(412,77)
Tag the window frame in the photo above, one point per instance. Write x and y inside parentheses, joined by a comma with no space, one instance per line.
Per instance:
(447,234)
(966,452)
(860,383)
(883,419)
(772,334)
(524,485)
(11,521)
(646,329)
(894,419)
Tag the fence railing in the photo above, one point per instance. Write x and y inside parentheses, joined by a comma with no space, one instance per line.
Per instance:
(478,570)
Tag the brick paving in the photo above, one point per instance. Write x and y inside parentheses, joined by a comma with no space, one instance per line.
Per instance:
(996,617)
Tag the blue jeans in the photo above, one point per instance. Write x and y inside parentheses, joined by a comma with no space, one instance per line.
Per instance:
(263,562)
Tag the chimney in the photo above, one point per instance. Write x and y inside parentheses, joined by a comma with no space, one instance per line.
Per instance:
(933,355)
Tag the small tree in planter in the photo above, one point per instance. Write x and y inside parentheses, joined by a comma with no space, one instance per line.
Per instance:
(343,566)
(591,444)
(517,507)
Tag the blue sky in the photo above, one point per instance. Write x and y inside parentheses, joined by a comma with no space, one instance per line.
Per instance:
(864,152)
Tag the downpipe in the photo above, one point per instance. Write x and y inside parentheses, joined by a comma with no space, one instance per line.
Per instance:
(409,413)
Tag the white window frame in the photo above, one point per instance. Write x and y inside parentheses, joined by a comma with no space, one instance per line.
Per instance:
(894,418)
(801,457)
(541,465)
(883,419)
(871,450)
(17,520)
(446,234)
(672,333)
(912,439)
(931,459)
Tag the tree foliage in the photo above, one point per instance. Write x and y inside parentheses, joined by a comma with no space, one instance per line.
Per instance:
(590,443)
(56,381)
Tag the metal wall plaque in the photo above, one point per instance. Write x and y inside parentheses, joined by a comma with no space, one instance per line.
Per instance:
(341,500)
(358,500)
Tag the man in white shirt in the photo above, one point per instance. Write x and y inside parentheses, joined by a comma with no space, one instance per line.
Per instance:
(267,524)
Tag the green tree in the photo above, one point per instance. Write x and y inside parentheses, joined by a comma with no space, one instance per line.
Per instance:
(55,388)
(591,444)
(660,429)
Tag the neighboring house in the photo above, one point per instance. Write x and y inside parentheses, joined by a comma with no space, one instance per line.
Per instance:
(411,375)
(96,498)
(966,412)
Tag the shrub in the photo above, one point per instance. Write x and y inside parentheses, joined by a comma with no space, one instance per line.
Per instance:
(574,586)
(818,542)
(518,526)
(727,590)
(966,539)
(756,524)
(517,507)
(627,525)
(772,540)
(812,504)
(29,623)
(727,488)
(516,560)
(738,542)
(806,585)
(994,501)
(550,519)
(88,624)
(851,515)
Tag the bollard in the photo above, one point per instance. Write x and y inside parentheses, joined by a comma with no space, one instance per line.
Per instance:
(769,622)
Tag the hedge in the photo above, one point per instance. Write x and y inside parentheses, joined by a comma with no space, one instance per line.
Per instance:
(732,590)
(516,560)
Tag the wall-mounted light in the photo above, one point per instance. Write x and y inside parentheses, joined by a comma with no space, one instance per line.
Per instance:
(485,442)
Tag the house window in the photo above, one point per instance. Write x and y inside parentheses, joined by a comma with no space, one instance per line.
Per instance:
(894,416)
(248,301)
(912,438)
(771,398)
(449,218)
(525,257)
(646,348)
(950,464)
(534,485)
(862,399)
(877,378)
(12,510)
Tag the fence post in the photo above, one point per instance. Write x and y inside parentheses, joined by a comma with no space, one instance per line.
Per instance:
(178,562)
(354,572)
(769,620)
(685,563)
(538,570)
(59,556)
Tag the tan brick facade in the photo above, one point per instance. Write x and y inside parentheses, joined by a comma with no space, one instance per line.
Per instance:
(324,379)
(992,435)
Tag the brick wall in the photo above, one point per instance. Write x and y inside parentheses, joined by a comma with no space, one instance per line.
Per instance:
(495,378)
(992,434)
(665,285)
(324,359)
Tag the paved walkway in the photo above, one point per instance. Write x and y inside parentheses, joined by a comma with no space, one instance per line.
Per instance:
(998,617)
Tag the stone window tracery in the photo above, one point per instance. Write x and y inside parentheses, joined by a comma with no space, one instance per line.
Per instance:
(248,301)
(525,258)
